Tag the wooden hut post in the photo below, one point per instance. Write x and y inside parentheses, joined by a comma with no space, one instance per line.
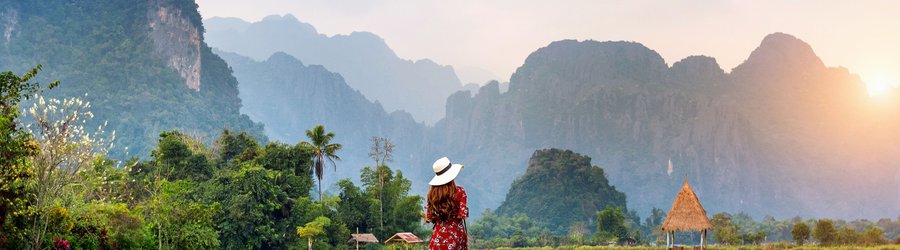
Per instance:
(668,240)
(703,239)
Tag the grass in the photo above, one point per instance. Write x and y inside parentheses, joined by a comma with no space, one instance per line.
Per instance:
(748,247)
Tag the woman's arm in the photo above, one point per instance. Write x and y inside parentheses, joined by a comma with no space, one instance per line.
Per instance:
(463,206)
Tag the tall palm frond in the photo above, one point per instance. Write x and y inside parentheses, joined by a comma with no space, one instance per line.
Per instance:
(322,149)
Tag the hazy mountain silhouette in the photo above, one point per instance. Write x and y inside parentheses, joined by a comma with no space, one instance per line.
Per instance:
(294,97)
(781,135)
(362,58)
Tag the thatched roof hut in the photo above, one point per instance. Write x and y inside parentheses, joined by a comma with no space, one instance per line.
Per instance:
(362,238)
(405,238)
(687,214)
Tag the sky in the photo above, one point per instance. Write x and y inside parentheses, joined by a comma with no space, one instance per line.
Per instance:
(486,40)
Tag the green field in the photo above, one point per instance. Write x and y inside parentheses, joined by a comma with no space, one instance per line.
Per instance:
(765,246)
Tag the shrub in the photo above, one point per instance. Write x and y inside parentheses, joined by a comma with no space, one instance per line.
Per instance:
(824,232)
(873,236)
(61,244)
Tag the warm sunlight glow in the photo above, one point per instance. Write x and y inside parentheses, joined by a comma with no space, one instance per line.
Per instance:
(879,86)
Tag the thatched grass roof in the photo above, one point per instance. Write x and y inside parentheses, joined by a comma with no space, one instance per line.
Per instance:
(686,214)
(364,238)
(403,237)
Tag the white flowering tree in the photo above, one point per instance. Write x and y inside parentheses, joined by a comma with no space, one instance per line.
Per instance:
(66,148)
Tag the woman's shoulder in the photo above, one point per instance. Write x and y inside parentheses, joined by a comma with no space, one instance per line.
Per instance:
(460,189)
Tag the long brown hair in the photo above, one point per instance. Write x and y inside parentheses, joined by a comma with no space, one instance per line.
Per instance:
(442,202)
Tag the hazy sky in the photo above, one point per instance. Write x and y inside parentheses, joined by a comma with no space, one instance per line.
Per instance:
(497,36)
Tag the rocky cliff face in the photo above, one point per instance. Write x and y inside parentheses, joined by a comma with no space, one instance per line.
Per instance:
(619,103)
(781,135)
(176,39)
(141,64)
(773,137)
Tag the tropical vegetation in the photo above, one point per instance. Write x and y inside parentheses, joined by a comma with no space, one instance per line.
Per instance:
(60,190)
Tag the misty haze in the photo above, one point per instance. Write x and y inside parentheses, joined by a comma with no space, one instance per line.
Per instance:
(182,124)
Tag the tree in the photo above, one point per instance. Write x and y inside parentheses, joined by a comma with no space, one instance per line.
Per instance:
(252,206)
(313,229)
(611,224)
(800,233)
(778,230)
(754,238)
(846,236)
(824,232)
(17,145)
(183,223)
(724,231)
(236,145)
(322,149)
(178,157)
(653,225)
(292,164)
(577,232)
(382,151)
(401,211)
(354,207)
(873,236)
(65,149)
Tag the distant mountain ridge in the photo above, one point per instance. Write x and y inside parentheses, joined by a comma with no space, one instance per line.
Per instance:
(762,139)
(362,58)
(780,134)
(291,97)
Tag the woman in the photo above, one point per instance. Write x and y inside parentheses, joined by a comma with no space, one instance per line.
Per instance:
(447,207)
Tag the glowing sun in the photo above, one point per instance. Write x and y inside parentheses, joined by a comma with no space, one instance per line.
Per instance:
(879,87)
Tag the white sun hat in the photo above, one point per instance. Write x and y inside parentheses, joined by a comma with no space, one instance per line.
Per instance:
(444,171)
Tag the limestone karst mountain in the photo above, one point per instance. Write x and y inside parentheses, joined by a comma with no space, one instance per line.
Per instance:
(782,134)
(365,61)
(145,67)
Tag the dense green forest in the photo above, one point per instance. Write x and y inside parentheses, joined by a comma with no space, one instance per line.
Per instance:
(61,191)
(559,188)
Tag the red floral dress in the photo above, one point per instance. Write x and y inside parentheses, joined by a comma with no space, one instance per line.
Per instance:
(451,234)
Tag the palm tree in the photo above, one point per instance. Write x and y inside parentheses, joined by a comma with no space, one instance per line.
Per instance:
(322,150)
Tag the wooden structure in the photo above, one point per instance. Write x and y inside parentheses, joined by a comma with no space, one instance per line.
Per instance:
(686,215)
(362,238)
(405,238)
